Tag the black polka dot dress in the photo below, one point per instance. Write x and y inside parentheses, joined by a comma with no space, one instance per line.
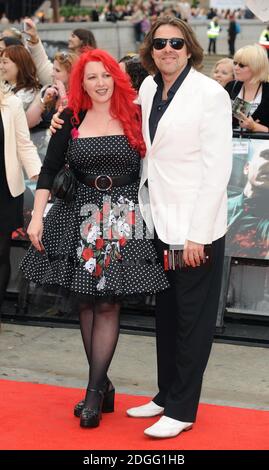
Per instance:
(97,245)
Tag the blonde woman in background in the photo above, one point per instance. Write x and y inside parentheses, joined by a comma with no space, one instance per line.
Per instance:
(251,70)
(223,71)
(17,152)
(62,67)
(54,95)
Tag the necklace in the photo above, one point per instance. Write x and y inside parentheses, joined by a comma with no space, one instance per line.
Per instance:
(255,96)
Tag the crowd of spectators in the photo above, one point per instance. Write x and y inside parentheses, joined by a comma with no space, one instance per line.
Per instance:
(149,9)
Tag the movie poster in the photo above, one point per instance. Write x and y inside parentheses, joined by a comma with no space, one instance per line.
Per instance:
(248,200)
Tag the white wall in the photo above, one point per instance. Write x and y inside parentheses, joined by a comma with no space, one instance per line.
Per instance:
(118,39)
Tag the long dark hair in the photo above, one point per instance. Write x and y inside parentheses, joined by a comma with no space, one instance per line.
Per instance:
(86,36)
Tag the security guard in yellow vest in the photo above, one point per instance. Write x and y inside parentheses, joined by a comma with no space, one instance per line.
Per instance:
(264,39)
(212,34)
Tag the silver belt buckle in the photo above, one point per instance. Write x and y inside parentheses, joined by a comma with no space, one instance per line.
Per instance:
(103,183)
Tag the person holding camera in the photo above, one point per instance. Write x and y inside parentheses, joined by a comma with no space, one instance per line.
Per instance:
(78,41)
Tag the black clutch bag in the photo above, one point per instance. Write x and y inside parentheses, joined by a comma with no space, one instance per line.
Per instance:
(65,184)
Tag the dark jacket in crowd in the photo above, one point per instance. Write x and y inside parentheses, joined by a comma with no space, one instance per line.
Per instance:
(262,112)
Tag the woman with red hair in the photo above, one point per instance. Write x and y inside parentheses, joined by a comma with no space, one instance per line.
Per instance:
(95,246)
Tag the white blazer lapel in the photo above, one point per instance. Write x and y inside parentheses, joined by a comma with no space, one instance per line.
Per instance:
(147,105)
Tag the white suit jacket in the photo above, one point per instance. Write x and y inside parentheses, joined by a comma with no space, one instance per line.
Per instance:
(20,151)
(189,162)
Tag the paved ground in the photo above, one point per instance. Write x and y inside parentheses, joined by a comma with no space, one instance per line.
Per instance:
(236,375)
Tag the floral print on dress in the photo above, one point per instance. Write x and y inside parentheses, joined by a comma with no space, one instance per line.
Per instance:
(104,234)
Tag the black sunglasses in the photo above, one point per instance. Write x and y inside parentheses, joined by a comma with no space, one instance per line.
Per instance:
(175,43)
(240,64)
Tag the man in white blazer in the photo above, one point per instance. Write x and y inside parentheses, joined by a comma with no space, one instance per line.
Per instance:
(187,127)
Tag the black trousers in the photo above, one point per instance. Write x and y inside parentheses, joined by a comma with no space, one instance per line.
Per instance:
(212,45)
(231,42)
(185,324)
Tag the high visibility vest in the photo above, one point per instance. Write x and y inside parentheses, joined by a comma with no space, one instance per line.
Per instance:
(213,30)
(263,41)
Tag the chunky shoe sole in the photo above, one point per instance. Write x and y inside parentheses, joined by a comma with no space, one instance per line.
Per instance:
(92,422)
(107,407)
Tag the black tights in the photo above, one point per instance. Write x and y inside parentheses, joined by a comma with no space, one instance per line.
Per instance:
(5,243)
(99,325)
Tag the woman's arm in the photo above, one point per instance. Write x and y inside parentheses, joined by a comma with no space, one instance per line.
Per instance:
(261,114)
(247,122)
(34,112)
(38,106)
(35,228)
(38,53)
(26,150)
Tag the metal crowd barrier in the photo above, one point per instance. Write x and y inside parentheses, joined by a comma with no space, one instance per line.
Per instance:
(245,285)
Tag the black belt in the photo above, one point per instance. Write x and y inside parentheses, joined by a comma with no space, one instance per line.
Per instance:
(105,182)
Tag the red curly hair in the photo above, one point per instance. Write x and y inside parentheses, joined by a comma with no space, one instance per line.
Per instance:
(122,106)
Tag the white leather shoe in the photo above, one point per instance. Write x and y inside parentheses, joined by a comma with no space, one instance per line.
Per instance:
(167,427)
(145,411)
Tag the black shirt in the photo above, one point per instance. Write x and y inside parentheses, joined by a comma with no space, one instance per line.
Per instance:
(159,106)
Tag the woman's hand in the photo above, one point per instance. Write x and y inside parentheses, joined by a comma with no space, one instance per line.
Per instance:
(56,122)
(35,232)
(193,254)
(62,93)
(61,88)
(31,31)
(50,95)
(247,122)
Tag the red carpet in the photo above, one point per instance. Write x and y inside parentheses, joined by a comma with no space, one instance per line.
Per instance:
(35,416)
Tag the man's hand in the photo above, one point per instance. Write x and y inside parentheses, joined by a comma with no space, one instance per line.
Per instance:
(56,122)
(193,254)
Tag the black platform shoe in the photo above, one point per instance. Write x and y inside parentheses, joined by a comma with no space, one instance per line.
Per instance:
(108,401)
(90,417)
